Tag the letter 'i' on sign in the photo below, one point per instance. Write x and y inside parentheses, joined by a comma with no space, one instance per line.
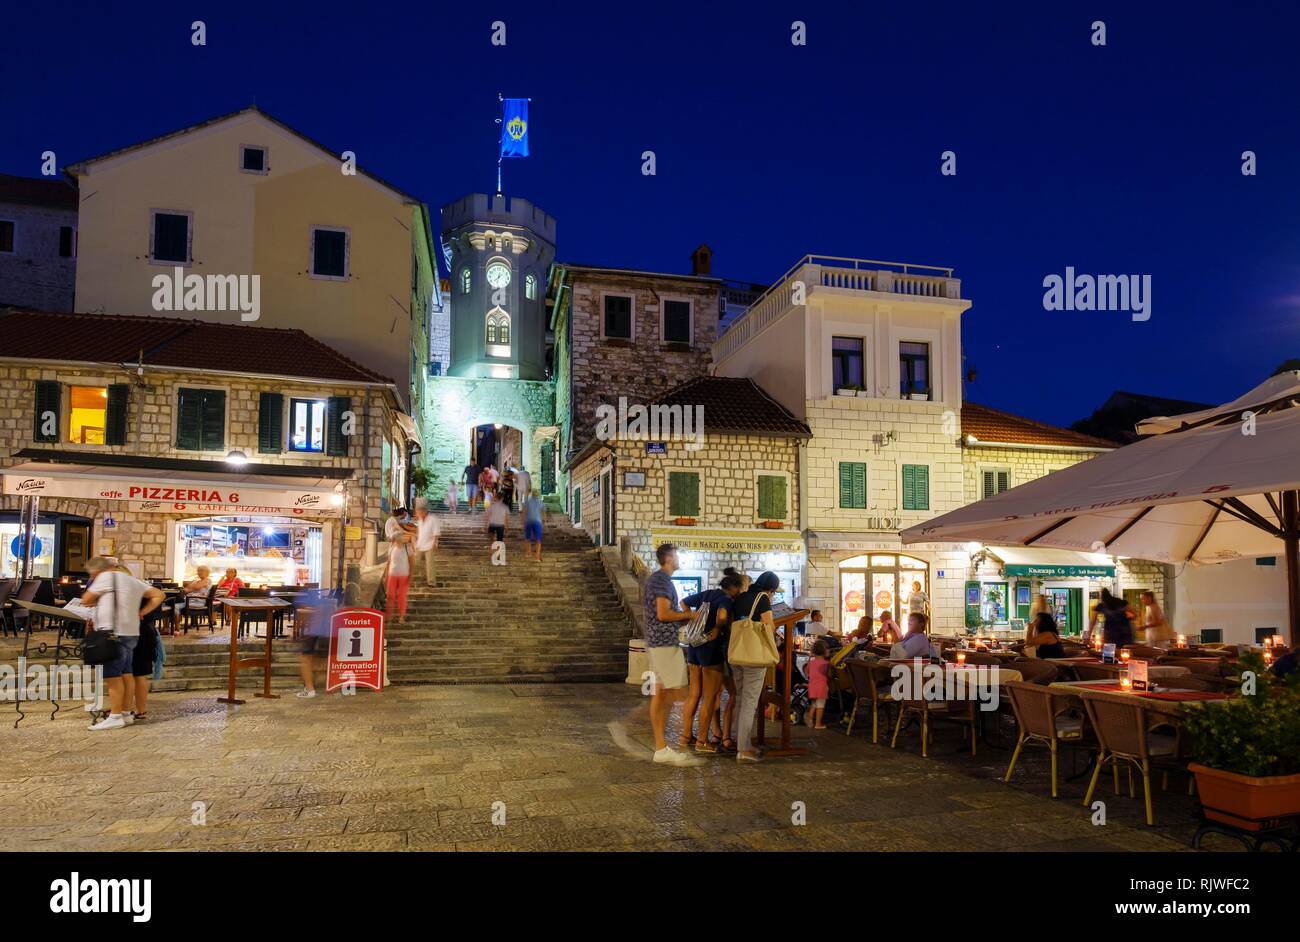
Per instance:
(648,163)
(1247,163)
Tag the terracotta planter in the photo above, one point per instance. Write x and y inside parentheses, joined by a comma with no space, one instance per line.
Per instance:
(1252,803)
(685,521)
(773,524)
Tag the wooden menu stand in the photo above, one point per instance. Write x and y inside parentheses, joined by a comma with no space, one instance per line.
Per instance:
(238,607)
(783,748)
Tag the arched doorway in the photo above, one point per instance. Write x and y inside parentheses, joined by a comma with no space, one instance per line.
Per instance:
(872,582)
(497,445)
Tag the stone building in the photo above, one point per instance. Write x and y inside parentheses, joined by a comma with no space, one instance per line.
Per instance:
(493,400)
(38,242)
(868,354)
(726,493)
(621,333)
(142,437)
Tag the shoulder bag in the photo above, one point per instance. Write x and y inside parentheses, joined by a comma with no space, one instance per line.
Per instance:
(695,632)
(100,645)
(752,643)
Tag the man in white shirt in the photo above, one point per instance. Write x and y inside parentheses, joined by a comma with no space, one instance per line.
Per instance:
(120,600)
(426,540)
(816,627)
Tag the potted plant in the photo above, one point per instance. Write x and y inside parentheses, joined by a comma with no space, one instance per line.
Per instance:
(774,524)
(863,393)
(421,478)
(920,396)
(1247,751)
(850,390)
(684,521)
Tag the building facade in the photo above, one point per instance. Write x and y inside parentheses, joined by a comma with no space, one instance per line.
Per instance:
(38,242)
(338,252)
(275,460)
(868,354)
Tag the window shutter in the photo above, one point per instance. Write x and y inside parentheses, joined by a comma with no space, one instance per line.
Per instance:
(336,443)
(119,397)
(909,487)
(1004,481)
(577,504)
(921,481)
(988,484)
(846,484)
(771,497)
(49,398)
(188,420)
(683,494)
(213,423)
(860,486)
(270,423)
(853,485)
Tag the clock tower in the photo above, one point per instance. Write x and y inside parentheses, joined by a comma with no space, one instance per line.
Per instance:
(500,252)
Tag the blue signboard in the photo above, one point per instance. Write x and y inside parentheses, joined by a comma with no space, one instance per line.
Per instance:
(656,448)
(109,523)
(16,547)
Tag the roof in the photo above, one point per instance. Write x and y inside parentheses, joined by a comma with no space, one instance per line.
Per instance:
(736,406)
(251,109)
(38,191)
(175,342)
(613,270)
(994,426)
(1158,405)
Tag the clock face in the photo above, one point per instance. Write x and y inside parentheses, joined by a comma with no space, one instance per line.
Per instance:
(498,275)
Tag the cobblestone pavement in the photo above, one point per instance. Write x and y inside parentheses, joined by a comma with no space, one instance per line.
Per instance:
(419,768)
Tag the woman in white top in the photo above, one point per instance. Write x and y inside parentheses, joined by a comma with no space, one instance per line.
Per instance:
(399,563)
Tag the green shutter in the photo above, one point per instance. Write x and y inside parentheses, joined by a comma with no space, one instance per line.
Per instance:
(188,419)
(577,504)
(683,494)
(119,397)
(213,411)
(270,423)
(771,497)
(336,443)
(916,487)
(49,398)
(853,485)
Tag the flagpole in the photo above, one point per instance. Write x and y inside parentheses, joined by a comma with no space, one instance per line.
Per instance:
(500,120)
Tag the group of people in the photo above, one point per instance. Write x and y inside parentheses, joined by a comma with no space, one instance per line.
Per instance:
(412,541)
(489,485)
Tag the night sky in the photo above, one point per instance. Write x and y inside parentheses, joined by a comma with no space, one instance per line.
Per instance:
(1121,159)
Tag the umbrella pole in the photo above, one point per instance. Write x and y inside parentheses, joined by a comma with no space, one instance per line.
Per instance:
(1291,539)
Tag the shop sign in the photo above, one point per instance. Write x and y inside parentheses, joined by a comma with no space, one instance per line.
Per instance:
(356,649)
(1060,572)
(728,541)
(161,494)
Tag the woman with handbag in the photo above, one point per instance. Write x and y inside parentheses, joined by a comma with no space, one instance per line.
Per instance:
(751,653)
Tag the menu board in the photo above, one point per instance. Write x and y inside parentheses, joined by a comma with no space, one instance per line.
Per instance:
(1137,672)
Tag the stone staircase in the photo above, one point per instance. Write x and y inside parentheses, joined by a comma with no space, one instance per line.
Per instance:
(524,622)
(207,666)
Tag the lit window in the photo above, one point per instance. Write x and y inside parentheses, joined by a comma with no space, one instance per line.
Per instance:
(307,425)
(498,328)
(88,414)
(530,287)
(466,281)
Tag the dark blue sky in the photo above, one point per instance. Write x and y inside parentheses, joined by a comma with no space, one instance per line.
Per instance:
(1122,159)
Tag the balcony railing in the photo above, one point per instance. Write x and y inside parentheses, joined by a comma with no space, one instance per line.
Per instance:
(834,272)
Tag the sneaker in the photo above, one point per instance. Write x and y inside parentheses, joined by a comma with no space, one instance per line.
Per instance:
(673,757)
(305,694)
(128,718)
(113,721)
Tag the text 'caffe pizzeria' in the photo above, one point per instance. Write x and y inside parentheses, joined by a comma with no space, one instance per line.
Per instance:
(165,521)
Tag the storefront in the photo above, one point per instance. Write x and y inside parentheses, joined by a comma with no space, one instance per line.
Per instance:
(872,583)
(61,548)
(264,550)
(1000,595)
(703,554)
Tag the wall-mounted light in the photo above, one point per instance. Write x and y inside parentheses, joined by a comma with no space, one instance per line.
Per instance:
(236,457)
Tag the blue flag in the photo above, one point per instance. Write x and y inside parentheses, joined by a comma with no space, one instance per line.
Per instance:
(514,127)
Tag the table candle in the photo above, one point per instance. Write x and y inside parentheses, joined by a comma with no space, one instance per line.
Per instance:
(1125,683)
(961,657)
(1124,655)
(1268,656)
(1277,641)
(1182,641)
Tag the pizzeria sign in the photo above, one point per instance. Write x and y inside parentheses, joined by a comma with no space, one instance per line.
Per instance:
(163,494)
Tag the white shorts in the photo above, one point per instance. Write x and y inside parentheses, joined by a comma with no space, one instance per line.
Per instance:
(668,664)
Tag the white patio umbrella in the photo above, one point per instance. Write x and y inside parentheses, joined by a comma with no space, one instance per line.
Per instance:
(1216,485)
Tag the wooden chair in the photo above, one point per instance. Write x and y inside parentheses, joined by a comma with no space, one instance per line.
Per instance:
(1044,716)
(871,685)
(197,615)
(1035,671)
(1125,735)
(961,712)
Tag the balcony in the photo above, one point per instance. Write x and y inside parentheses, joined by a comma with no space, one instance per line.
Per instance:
(829,272)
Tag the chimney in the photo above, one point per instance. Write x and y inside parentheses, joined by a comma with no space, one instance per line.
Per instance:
(702,260)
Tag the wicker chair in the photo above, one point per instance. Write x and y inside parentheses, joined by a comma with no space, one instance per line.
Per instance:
(871,685)
(1144,651)
(1092,672)
(1044,716)
(955,711)
(1125,735)
(1035,671)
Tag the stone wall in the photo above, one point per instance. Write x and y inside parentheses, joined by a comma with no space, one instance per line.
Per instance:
(35,275)
(1025,464)
(151,432)
(645,367)
(457,404)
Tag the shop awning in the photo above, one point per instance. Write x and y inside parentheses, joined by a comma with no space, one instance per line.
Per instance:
(407,425)
(163,491)
(1053,563)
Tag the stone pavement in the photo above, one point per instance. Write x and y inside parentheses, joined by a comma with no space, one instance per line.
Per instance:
(419,768)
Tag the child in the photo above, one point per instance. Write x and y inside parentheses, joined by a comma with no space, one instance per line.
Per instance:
(533,527)
(453,495)
(818,682)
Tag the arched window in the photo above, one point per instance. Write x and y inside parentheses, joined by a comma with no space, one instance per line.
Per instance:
(498,328)
(466,279)
(530,287)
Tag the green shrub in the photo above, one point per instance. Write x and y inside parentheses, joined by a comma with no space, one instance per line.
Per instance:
(1255,735)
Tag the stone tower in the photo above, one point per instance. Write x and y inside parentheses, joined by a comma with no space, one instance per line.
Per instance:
(501,252)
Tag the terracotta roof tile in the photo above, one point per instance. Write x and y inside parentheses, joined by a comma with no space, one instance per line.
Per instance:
(993,425)
(735,406)
(175,343)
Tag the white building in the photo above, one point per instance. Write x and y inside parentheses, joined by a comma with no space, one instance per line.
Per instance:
(868,354)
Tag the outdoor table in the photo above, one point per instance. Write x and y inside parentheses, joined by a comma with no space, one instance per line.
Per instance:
(237,607)
(782,747)
(1168,702)
(62,618)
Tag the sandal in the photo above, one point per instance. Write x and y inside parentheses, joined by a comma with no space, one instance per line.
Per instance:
(705,747)
(726,746)
(141,717)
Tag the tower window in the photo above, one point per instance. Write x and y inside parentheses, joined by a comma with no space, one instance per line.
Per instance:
(466,280)
(530,287)
(498,328)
